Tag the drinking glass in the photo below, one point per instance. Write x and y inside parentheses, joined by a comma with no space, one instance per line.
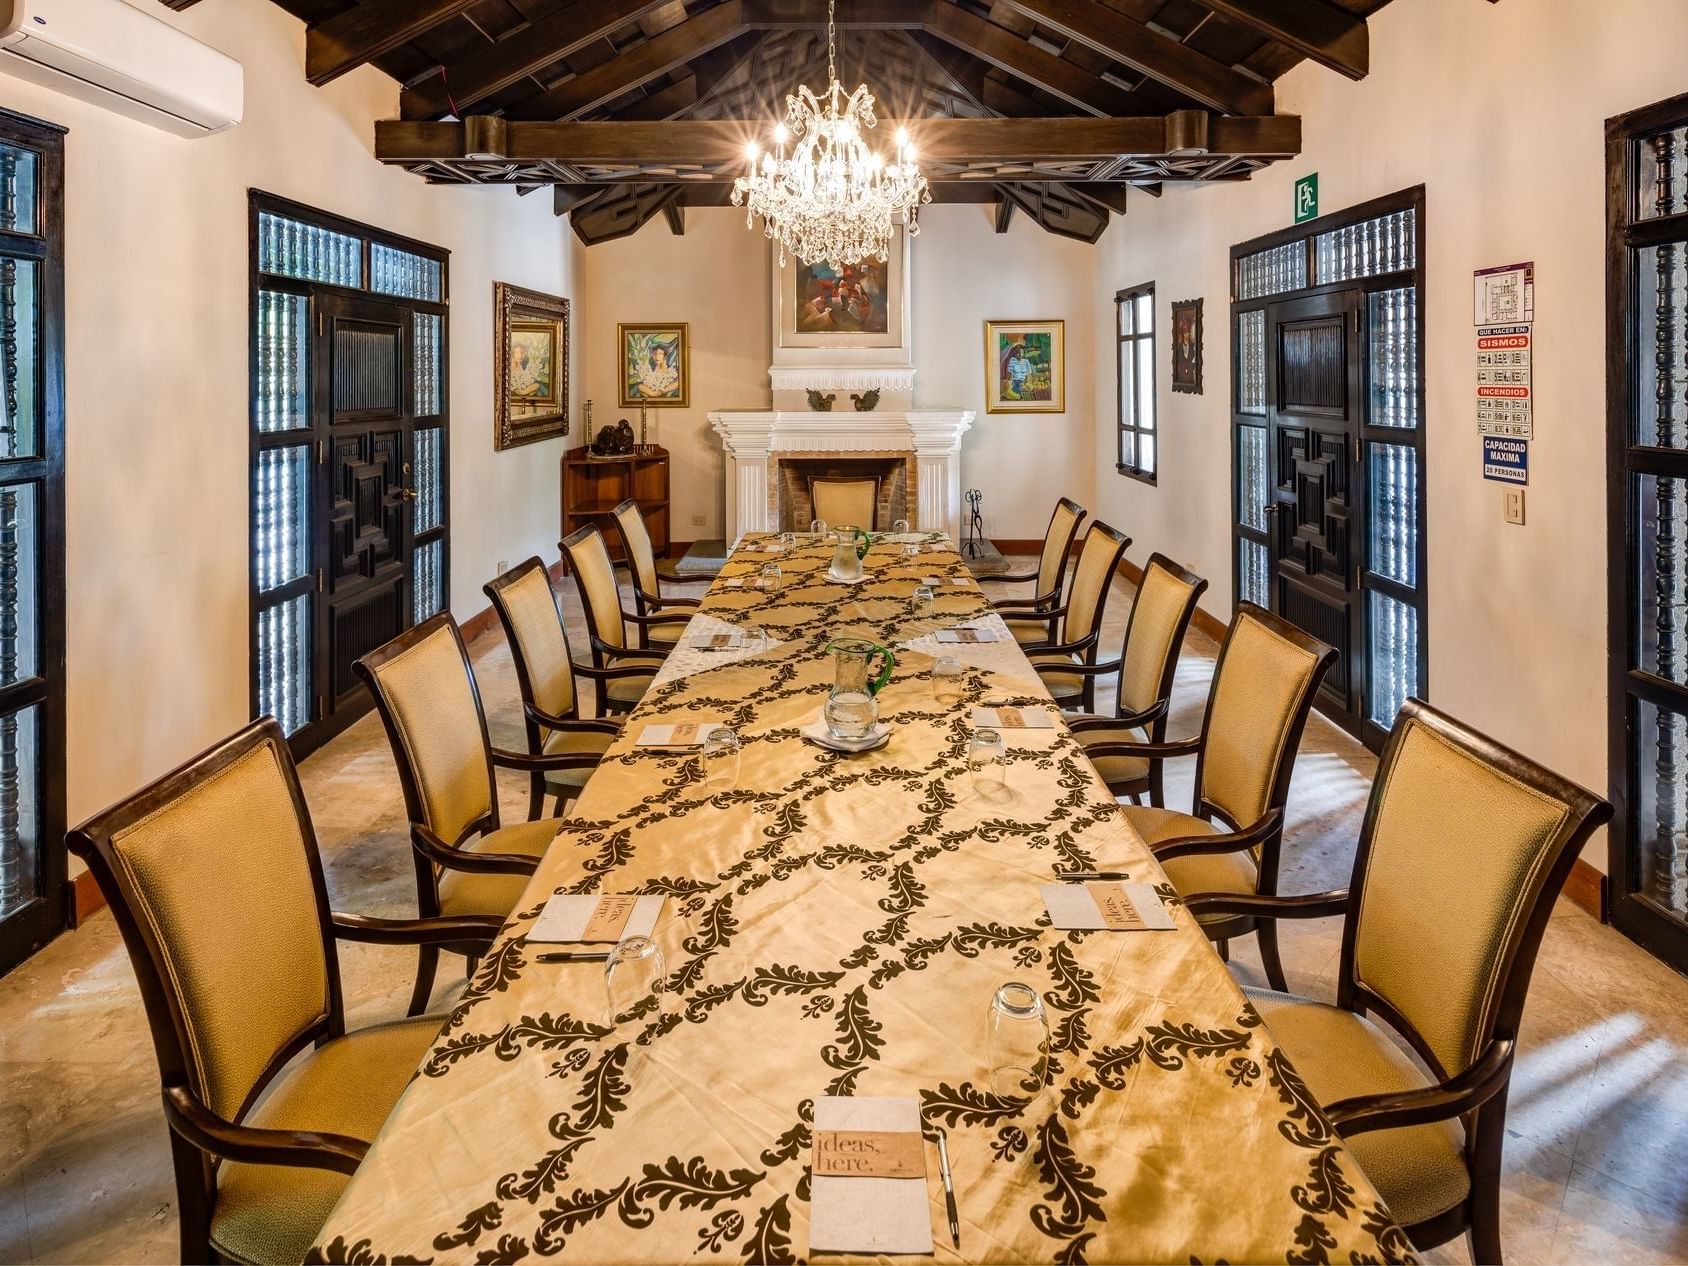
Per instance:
(771,577)
(633,976)
(788,542)
(817,528)
(754,638)
(923,599)
(720,758)
(1018,1043)
(900,527)
(946,680)
(987,757)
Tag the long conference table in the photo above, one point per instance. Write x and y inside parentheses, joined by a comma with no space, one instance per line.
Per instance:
(836,925)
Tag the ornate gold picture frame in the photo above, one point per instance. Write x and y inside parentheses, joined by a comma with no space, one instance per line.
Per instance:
(530,366)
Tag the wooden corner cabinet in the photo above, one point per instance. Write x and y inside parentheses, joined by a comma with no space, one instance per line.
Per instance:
(594,486)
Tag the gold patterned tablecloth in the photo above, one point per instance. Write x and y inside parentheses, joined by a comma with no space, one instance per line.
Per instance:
(836,925)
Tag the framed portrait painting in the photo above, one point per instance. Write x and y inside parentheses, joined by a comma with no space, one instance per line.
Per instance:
(1025,367)
(848,306)
(530,361)
(1187,346)
(655,366)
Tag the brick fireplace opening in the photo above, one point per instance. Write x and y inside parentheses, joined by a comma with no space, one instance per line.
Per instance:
(791,510)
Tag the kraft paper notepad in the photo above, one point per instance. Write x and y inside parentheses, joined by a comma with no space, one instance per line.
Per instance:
(596,918)
(869,1215)
(966,636)
(1004,717)
(1116,907)
(678,736)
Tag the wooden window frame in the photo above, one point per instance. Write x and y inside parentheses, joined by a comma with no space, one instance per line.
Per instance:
(1136,427)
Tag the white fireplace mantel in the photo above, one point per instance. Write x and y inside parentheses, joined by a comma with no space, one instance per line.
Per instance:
(754,439)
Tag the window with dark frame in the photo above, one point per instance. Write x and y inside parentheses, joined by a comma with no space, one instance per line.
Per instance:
(1135,325)
(33,876)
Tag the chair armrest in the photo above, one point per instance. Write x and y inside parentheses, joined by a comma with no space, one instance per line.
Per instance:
(1084,670)
(1036,604)
(1014,577)
(657,600)
(1441,1102)
(544,761)
(443,929)
(297,1149)
(440,853)
(623,652)
(1313,905)
(1226,842)
(628,670)
(592,725)
(1148,716)
(1149,751)
(1062,648)
(647,620)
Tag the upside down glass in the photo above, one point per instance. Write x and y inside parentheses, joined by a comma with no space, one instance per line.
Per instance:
(1018,1046)
(633,977)
(771,578)
(720,759)
(946,680)
(987,757)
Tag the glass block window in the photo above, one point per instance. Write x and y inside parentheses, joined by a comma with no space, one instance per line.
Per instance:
(1393,528)
(430,501)
(410,276)
(428,580)
(1254,583)
(1661,163)
(1273,271)
(283,401)
(282,509)
(18,179)
(1387,244)
(1393,355)
(284,662)
(1251,362)
(1253,491)
(20,824)
(310,252)
(426,358)
(1135,324)
(1392,629)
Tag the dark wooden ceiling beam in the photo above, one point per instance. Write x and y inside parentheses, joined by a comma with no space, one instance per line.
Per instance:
(525,51)
(637,65)
(367,30)
(1145,49)
(798,15)
(1321,31)
(1004,49)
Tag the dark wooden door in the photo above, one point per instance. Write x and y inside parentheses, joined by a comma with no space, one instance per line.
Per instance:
(1314,373)
(362,417)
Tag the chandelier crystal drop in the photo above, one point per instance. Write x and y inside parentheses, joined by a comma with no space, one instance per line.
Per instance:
(831,198)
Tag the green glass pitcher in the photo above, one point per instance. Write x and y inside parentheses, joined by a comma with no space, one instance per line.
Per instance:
(861,669)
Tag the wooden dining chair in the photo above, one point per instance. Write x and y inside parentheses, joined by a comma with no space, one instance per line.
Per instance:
(606,622)
(467,861)
(545,674)
(216,883)
(1148,664)
(840,499)
(1060,663)
(636,548)
(1263,689)
(1050,578)
(1464,848)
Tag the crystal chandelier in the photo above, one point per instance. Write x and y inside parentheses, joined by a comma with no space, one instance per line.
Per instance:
(832,198)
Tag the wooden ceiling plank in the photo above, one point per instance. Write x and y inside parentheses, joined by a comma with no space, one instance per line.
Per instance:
(367,30)
(565,198)
(1110,196)
(637,65)
(1328,35)
(1004,213)
(529,49)
(1007,51)
(1159,56)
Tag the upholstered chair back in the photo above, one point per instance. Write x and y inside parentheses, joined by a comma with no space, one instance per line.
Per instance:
(1262,690)
(1091,581)
(422,684)
(1459,848)
(527,605)
(1166,597)
(636,540)
(216,885)
(1057,542)
(594,572)
(852,501)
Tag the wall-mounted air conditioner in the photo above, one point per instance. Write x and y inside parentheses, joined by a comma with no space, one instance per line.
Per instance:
(121,58)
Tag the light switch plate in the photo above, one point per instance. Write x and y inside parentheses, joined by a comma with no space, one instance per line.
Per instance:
(1512,505)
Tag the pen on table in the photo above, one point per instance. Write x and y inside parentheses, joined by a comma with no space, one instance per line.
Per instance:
(581,957)
(949,1186)
(1087,876)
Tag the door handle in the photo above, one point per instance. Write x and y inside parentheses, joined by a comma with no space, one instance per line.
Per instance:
(409,494)
(1271,507)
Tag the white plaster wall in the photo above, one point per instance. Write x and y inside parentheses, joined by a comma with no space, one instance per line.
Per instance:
(156,382)
(716,278)
(1498,109)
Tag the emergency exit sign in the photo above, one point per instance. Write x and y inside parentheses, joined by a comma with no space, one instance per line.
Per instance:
(1307,197)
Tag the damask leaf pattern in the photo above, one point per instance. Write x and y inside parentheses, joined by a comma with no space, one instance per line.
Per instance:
(1328,1189)
(907,892)
(1072,1196)
(770,1245)
(1171,1044)
(858,1033)
(572,1212)
(474,1224)
(789,979)
(359,1253)
(966,1104)
(1075,985)
(604,1091)
(1113,1062)
(1306,1125)
(510,1248)
(1314,1242)
(723,1229)
(541,1178)
(688,1184)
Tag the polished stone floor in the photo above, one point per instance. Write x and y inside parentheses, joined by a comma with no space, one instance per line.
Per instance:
(1598,1142)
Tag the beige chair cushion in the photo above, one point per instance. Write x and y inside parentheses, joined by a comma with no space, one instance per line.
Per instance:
(1028,631)
(1419,1171)
(575,742)
(1116,770)
(246,959)
(1262,679)
(1066,687)
(272,1213)
(1161,602)
(628,689)
(1205,872)
(542,642)
(465,892)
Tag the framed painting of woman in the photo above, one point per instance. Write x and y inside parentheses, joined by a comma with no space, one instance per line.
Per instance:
(530,359)
(655,366)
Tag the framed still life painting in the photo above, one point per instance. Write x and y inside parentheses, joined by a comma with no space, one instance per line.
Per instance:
(1187,346)
(851,305)
(1025,367)
(530,364)
(655,366)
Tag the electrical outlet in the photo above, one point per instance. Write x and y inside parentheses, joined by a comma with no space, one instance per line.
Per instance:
(698,520)
(1512,505)
(503,567)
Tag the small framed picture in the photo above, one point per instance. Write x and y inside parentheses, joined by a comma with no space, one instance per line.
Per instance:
(655,366)
(1025,367)
(1187,346)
